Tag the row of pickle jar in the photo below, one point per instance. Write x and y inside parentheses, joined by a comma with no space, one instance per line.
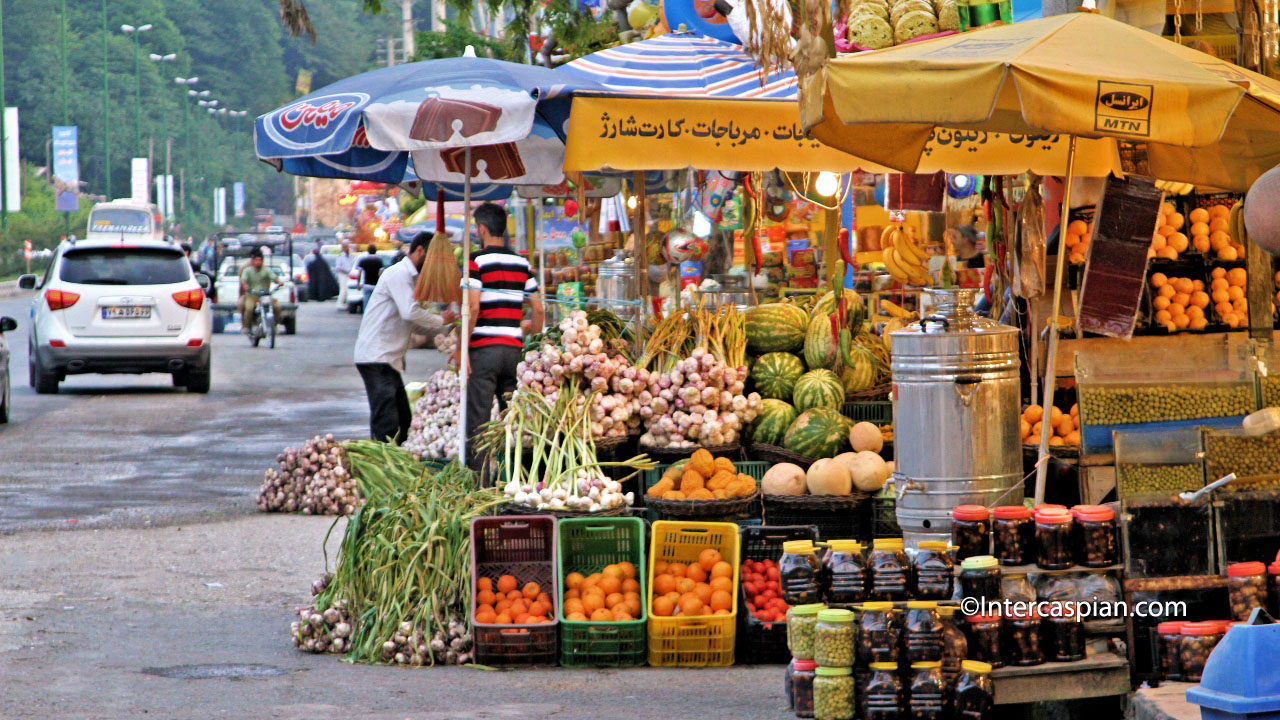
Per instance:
(881,667)
(846,575)
(1052,537)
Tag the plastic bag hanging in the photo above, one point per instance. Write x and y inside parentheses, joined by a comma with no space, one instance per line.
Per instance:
(1029,249)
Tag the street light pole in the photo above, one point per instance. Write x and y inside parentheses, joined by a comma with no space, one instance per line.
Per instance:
(63,40)
(4,194)
(186,83)
(106,106)
(137,73)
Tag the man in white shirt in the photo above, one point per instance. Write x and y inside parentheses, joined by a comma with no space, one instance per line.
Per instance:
(389,317)
(342,268)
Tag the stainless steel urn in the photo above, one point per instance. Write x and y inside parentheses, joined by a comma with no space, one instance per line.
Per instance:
(955,416)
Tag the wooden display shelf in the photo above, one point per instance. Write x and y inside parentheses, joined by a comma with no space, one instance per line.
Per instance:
(1096,676)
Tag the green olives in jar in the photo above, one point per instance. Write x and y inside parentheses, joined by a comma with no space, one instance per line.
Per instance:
(833,639)
(833,693)
(802,624)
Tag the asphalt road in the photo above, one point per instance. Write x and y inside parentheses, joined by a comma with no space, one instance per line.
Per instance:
(108,450)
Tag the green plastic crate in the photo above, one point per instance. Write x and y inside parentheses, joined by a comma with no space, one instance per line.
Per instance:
(754,512)
(587,545)
(876,412)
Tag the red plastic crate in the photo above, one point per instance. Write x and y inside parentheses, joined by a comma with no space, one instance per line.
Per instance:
(523,546)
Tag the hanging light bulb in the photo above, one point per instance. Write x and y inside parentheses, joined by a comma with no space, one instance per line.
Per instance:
(631,202)
(826,184)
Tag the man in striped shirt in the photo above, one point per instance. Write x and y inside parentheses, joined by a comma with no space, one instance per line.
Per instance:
(501,283)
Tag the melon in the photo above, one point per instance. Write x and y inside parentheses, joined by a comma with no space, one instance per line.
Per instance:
(771,424)
(776,327)
(865,436)
(828,477)
(861,373)
(855,309)
(784,479)
(775,374)
(868,471)
(820,348)
(818,433)
(818,388)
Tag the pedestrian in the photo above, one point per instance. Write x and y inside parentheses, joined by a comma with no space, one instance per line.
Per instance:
(321,284)
(390,314)
(343,266)
(370,268)
(501,283)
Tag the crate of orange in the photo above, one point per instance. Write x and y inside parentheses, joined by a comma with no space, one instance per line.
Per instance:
(513,572)
(693,603)
(601,587)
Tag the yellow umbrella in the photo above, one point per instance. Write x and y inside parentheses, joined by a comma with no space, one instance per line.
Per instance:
(1202,120)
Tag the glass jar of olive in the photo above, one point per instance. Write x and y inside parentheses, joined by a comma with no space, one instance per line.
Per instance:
(834,638)
(1014,533)
(1053,538)
(802,623)
(984,636)
(1246,587)
(975,694)
(844,572)
(1198,640)
(883,697)
(1022,640)
(1095,542)
(955,647)
(889,569)
(1169,645)
(879,634)
(803,673)
(833,693)
(980,578)
(970,530)
(922,632)
(933,571)
(800,571)
(1064,635)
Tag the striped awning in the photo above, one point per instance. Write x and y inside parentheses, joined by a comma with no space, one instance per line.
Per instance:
(682,64)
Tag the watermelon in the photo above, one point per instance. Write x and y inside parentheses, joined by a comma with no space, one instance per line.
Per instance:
(775,374)
(776,327)
(818,388)
(771,424)
(821,349)
(862,374)
(818,433)
(855,309)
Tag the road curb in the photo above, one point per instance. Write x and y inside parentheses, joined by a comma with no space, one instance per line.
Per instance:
(10,289)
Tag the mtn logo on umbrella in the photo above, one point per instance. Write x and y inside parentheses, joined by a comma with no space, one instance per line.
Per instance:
(1123,108)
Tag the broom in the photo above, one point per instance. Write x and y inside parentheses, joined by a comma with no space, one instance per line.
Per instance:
(440,280)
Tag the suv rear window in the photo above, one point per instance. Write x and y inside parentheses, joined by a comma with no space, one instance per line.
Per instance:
(133,266)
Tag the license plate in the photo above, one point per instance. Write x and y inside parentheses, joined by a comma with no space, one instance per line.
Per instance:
(126,312)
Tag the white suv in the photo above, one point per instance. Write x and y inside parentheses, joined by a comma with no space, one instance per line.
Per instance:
(125,305)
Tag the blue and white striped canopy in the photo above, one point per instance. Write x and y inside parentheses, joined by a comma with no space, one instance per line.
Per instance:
(681,64)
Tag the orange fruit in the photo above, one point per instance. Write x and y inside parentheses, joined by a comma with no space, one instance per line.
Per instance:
(1198,215)
(576,617)
(572,594)
(1167,208)
(660,567)
(1160,303)
(1199,228)
(628,570)
(515,595)
(1194,312)
(721,612)
(612,571)
(506,584)
(573,579)
(1072,438)
(1183,285)
(1218,273)
(1054,415)
(1181,298)
(1219,240)
(1231,319)
(1033,413)
(502,605)
(538,608)
(1219,283)
(1219,211)
(602,615)
(622,614)
(663,607)
(1162,317)
(684,585)
(1072,239)
(630,586)
(704,592)
(613,600)
(485,597)
(1200,299)
(726,584)
(519,606)
(1176,220)
(1075,410)
(1159,242)
(722,569)
(1078,227)
(1064,425)
(1175,310)
(1237,276)
(544,598)
(690,605)
(1075,258)
(1200,243)
(1221,295)
(1165,231)
(721,600)
(708,558)
(522,618)
(592,602)
(676,570)
(1167,291)
(1222,308)
(1219,224)
(1158,280)
(1024,428)
(1199,323)
(1179,243)
(573,606)
(1055,440)
(674,597)
(485,584)
(1171,327)
(1181,321)
(1035,429)
(485,616)
(663,584)
(502,619)
(633,606)
(1235,293)
(610,585)
(696,573)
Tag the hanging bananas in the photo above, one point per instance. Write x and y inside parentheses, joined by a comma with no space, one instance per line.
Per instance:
(903,256)
(1174,188)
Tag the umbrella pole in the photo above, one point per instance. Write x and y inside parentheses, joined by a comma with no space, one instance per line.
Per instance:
(542,257)
(640,257)
(464,368)
(1046,429)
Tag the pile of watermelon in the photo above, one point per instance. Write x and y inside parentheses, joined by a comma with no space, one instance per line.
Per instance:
(802,375)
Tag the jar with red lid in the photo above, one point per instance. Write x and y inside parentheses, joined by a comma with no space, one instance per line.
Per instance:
(1014,532)
(970,530)
(1168,645)
(1198,640)
(983,633)
(1022,640)
(1095,541)
(1273,577)
(1247,586)
(802,674)
(1053,537)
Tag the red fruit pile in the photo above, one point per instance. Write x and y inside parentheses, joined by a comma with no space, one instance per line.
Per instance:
(763,591)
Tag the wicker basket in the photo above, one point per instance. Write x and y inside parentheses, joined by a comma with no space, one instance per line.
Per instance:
(819,503)
(773,455)
(733,451)
(518,509)
(702,508)
(879,392)
(606,447)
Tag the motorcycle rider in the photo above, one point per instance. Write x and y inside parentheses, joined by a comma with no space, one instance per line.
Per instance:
(255,277)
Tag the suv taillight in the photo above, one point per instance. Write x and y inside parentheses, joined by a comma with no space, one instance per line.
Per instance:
(60,299)
(193,299)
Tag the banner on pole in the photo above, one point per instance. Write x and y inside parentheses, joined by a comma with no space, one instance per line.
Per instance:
(12,168)
(160,197)
(66,168)
(140,185)
(168,192)
(303,85)
(237,198)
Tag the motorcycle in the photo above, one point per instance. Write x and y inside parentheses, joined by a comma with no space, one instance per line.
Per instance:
(263,323)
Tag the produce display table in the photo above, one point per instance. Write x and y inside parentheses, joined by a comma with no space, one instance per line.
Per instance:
(1167,702)
(1095,676)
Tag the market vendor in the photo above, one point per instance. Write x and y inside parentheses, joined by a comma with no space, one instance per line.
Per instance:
(501,283)
(389,317)
(965,241)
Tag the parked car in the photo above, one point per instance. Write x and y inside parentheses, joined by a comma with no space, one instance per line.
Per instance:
(107,306)
(286,294)
(7,324)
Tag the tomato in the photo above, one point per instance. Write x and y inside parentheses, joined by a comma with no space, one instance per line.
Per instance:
(775,586)
(750,589)
(773,573)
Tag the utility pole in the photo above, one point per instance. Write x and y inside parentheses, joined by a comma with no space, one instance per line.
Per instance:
(106,106)
(391,51)
(151,154)
(63,33)
(167,185)
(406,25)
(4,135)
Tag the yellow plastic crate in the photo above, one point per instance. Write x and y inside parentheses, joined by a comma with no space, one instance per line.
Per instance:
(698,640)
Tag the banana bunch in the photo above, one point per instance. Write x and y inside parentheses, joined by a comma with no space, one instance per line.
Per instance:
(1235,224)
(903,256)
(899,318)
(1174,188)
